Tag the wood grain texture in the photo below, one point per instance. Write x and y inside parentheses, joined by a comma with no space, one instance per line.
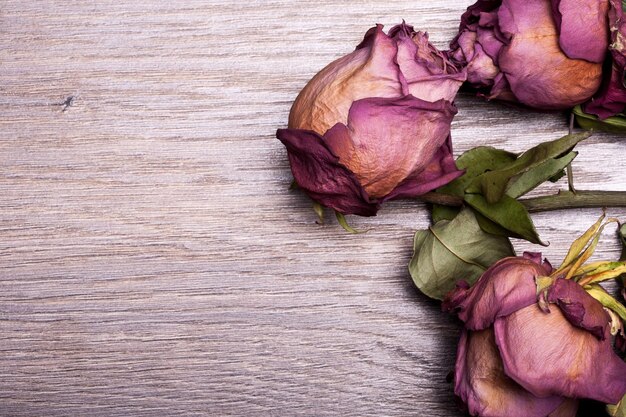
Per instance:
(152,261)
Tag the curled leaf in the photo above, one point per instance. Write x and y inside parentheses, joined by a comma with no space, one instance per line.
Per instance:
(536,176)
(319,210)
(579,245)
(608,301)
(344,223)
(615,124)
(451,251)
(493,184)
(474,162)
(509,214)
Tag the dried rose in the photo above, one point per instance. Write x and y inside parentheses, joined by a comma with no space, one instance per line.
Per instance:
(543,54)
(375,124)
(516,358)
(611,99)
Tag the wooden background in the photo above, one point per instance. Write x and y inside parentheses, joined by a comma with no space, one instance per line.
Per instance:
(152,260)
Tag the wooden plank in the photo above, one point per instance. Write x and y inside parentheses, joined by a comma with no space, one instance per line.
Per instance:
(152,261)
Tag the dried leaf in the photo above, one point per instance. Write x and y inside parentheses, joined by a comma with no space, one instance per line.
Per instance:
(508,213)
(493,184)
(344,223)
(475,162)
(454,250)
(536,176)
(615,124)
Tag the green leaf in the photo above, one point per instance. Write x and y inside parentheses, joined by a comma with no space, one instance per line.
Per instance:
(494,174)
(454,250)
(508,213)
(493,184)
(344,223)
(615,124)
(319,210)
(476,162)
(440,212)
(491,227)
(543,172)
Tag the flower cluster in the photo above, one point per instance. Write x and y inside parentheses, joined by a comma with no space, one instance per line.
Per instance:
(546,55)
(375,126)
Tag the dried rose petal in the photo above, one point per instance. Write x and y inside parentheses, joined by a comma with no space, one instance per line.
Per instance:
(375,124)
(534,52)
(514,352)
(611,99)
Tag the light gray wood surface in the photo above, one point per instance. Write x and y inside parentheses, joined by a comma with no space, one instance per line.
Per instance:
(152,260)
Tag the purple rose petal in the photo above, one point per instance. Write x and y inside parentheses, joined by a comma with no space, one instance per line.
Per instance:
(548,356)
(387,141)
(504,288)
(481,383)
(583,28)
(320,174)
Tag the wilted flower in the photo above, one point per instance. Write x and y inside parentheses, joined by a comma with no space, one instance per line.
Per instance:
(518,357)
(611,99)
(375,124)
(544,54)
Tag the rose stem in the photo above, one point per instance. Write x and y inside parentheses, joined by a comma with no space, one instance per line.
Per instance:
(562,200)
(579,199)
(570,170)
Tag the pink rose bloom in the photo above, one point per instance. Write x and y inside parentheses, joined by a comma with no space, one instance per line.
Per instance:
(543,54)
(375,125)
(516,359)
(611,99)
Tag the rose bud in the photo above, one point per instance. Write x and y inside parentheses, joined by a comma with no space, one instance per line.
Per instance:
(611,99)
(543,54)
(375,125)
(519,358)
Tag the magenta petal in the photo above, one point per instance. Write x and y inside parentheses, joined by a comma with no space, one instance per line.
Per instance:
(578,307)
(489,43)
(428,73)
(533,256)
(583,28)
(391,140)
(538,73)
(556,14)
(504,288)
(611,99)
(318,172)
(548,356)
(481,383)
(510,10)
(468,50)
(441,170)
(501,89)
(473,13)
(536,258)
(369,71)
(481,70)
